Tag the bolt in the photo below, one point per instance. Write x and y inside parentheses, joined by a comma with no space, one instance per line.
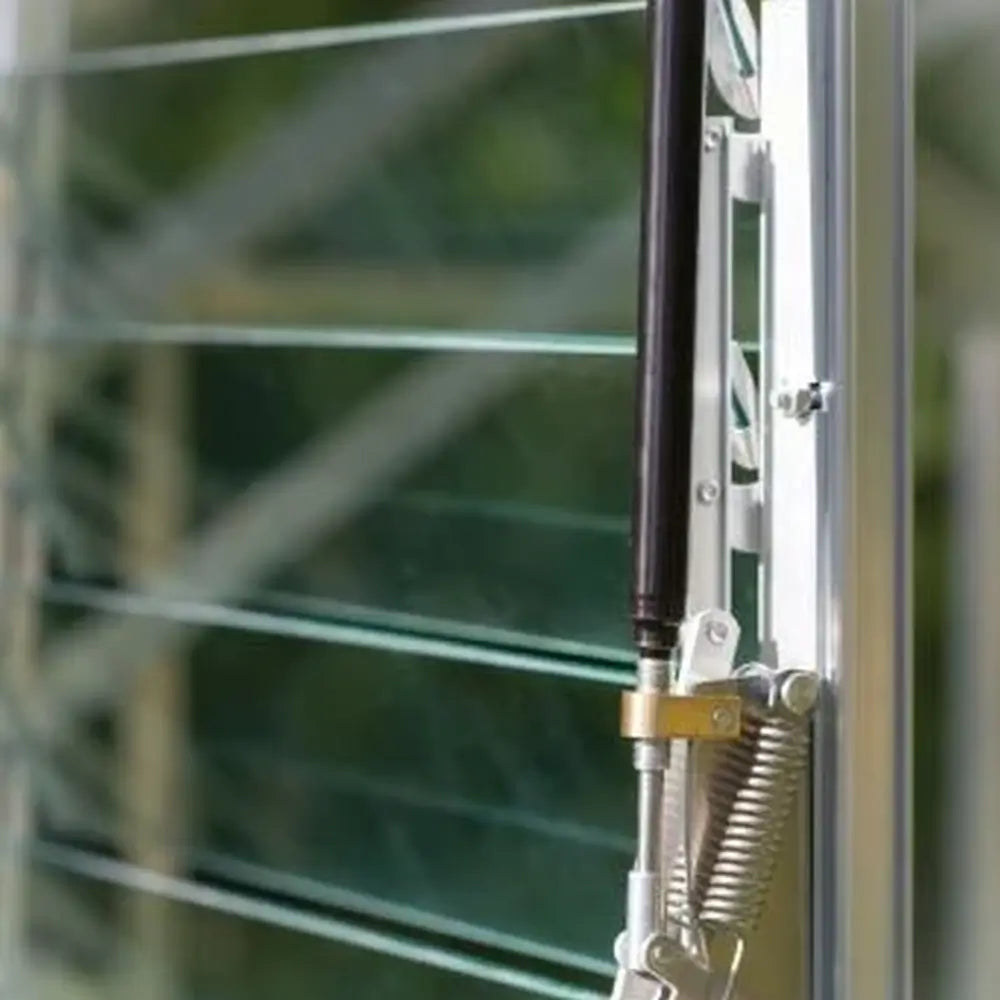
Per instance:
(712,138)
(800,691)
(717,632)
(803,402)
(723,720)
(819,394)
(662,955)
(708,492)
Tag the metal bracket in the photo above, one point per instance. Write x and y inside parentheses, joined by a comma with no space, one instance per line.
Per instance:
(651,716)
(708,649)
(711,448)
(749,161)
(724,516)
(672,973)
(708,643)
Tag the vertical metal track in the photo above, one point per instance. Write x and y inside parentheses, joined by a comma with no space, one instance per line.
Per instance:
(777,964)
(789,340)
(862,94)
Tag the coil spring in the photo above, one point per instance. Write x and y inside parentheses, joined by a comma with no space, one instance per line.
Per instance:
(750,797)
(730,768)
(753,794)
(678,826)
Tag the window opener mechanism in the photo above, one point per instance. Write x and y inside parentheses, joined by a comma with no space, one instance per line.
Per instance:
(704,863)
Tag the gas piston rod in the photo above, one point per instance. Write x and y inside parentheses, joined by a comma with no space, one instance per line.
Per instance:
(664,413)
(667,322)
(684,889)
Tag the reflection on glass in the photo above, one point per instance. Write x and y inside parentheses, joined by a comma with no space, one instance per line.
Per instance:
(491,496)
(404,183)
(381,780)
(90,914)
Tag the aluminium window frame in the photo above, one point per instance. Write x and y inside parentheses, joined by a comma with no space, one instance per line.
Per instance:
(862,824)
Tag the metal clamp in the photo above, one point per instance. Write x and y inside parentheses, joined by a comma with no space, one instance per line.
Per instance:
(654,716)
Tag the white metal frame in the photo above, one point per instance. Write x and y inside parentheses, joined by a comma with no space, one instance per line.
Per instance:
(789,624)
(836,112)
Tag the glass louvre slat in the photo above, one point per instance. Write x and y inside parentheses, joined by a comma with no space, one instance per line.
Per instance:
(333,338)
(406,779)
(348,199)
(515,519)
(259,948)
(268,30)
(363,628)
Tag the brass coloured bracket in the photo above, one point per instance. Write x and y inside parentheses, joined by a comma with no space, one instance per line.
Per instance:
(654,716)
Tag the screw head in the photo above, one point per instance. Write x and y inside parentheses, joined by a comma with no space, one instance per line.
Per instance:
(723,719)
(712,138)
(709,491)
(800,692)
(717,632)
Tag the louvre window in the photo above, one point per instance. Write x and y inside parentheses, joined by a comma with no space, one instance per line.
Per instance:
(321,326)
